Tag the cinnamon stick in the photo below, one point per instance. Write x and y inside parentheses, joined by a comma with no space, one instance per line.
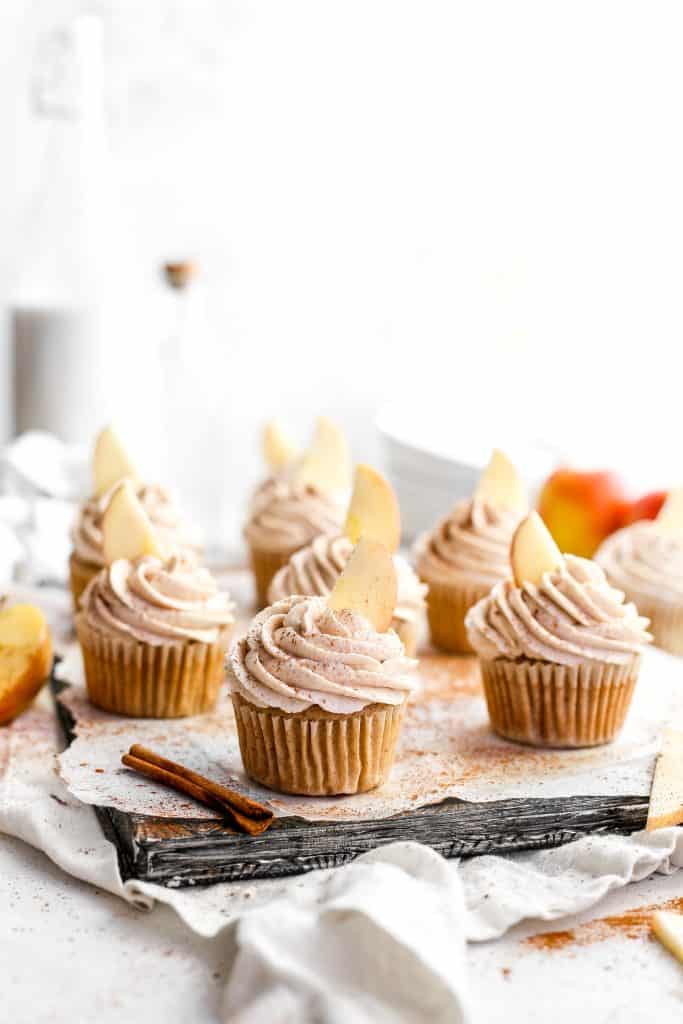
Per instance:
(245,814)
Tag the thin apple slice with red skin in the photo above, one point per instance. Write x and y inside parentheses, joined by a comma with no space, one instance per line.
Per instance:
(501,485)
(373,510)
(111,462)
(670,518)
(533,552)
(126,529)
(367,585)
(327,463)
(278,448)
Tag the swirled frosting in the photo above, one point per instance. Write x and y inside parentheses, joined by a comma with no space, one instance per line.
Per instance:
(157,602)
(644,561)
(172,533)
(315,569)
(572,616)
(470,544)
(300,653)
(285,514)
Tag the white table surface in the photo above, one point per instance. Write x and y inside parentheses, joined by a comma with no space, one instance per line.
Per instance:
(70,953)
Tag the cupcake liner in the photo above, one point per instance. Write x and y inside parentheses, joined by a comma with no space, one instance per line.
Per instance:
(80,574)
(172,680)
(548,705)
(316,752)
(447,606)
(666,623)
(264,565)
(407,634)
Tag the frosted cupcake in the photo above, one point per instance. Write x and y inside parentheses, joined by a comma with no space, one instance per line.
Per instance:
(302,500)
(110,465)
(314,570)
(645,560)
(153,632)
(467,552)
(559,648)
(318,690)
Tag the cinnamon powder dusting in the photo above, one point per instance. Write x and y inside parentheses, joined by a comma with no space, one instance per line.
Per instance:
(632,924)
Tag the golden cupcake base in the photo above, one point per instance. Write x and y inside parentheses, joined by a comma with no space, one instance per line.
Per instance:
(80,574)
(666,624)
(172,680)
(264,565)
(447,606)
(548,705)
(316,752)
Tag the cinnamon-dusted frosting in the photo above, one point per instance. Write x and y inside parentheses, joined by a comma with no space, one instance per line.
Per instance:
(172,533)
(644,561)
(315,569)
(299,652)
(286,514)
(157,602)
(572,616)
(470,544)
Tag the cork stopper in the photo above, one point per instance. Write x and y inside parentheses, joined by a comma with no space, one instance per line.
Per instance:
(181,273)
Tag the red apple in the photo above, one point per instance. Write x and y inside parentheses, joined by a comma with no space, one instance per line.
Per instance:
(580,509)
(647,507)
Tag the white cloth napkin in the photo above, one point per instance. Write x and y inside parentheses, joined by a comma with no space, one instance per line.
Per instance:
(384,935)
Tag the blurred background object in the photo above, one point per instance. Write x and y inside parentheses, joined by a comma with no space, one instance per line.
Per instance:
(470,213)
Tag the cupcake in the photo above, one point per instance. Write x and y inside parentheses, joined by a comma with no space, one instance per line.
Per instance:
(300,501)
(559,648)
(153,631)
(645,560)
(467,552)
(319,690)
(314,570)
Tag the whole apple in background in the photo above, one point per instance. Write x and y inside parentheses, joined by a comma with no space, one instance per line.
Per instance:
(580,509)
(647,507)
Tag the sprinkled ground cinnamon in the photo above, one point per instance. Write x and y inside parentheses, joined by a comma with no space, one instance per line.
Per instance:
(632,924)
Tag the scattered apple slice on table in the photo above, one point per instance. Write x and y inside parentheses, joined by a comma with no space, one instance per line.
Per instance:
(666,796)
(668,927)
(278,448)
(533,551)
(126,529)
(25,658)
(110,462)
(367,585)
(327,463)
(373,510)
(500,484)
(670,517)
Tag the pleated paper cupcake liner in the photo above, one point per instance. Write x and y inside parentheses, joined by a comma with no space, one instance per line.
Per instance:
(550,705)
(316,752)
(172,680)
(666,624)
(264,565)
(80,574)
(447,606)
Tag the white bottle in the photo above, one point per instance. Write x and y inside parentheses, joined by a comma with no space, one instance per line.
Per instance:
(61,330)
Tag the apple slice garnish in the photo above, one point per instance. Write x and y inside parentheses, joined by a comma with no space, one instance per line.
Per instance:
(110,462)
(278,448)
(666,795)
(373,510)
(533,552)
(25,658)
(668,927)
(126,529)
(327,463)
(501,485)
(367,585)
(670,518)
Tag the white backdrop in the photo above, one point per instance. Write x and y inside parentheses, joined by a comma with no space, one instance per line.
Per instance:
(468,205)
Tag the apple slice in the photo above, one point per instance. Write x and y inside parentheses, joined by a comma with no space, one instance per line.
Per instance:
(25,658)
(533,551)
(500,484)
(278,448)
(666,797)
(327,463)
(373,511)
(670,518)
(126,529)
(668,927)
(110,462)
(368,584)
